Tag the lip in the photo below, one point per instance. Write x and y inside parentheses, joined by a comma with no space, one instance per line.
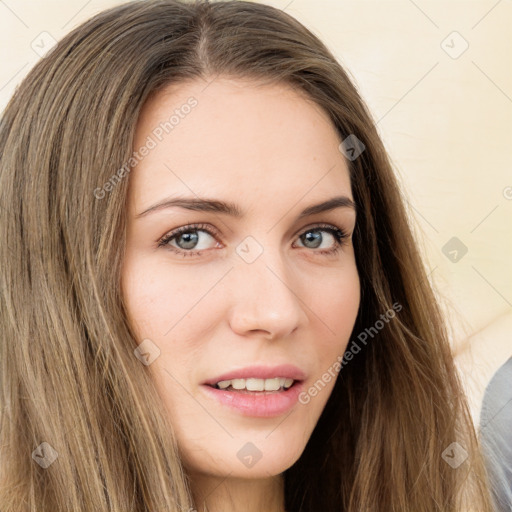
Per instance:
(288,371)
(259,404)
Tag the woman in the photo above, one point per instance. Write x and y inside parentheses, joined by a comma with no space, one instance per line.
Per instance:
(145,370)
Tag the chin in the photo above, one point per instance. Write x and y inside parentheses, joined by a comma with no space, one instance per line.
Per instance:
(250,457)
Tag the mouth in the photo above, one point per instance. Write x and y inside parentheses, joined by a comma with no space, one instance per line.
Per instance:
(278,399)
(257,391)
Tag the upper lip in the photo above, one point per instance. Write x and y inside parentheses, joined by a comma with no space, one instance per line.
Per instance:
(288,371)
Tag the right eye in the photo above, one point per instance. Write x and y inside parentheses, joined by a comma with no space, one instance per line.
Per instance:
(188,237)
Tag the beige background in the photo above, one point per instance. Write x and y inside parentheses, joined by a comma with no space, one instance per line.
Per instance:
(444,112)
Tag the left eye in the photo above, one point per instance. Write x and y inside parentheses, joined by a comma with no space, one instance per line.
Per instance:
(316,239)
(187,238)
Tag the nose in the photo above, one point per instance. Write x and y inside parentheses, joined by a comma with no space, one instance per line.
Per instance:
(265,298)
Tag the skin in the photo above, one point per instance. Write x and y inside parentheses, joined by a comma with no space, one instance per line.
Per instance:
(273,152)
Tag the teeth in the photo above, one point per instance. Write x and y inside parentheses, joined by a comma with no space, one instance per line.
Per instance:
(257,384)
(238,383)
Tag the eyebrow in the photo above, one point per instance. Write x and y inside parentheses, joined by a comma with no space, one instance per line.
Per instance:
(228,208)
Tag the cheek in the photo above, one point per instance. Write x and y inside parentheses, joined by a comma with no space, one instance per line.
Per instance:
(145,310)
(160,302)
(336,304)
(157,297)
(335,301)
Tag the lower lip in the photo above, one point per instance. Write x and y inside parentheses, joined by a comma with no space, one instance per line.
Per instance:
(258,404)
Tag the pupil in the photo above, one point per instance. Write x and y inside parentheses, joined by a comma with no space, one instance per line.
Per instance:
(315,235)
(191,243)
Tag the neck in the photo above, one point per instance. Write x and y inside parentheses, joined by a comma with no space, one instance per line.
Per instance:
(224,494)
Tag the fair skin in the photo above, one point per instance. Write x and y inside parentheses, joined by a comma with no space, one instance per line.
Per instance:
(271,152)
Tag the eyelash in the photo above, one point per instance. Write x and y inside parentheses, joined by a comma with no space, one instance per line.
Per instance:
(339,235)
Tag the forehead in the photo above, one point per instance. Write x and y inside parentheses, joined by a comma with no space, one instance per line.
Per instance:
(238,140)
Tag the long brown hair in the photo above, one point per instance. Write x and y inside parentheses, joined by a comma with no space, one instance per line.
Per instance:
(69,377)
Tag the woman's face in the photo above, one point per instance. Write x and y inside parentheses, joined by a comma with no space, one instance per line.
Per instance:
(235,297)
